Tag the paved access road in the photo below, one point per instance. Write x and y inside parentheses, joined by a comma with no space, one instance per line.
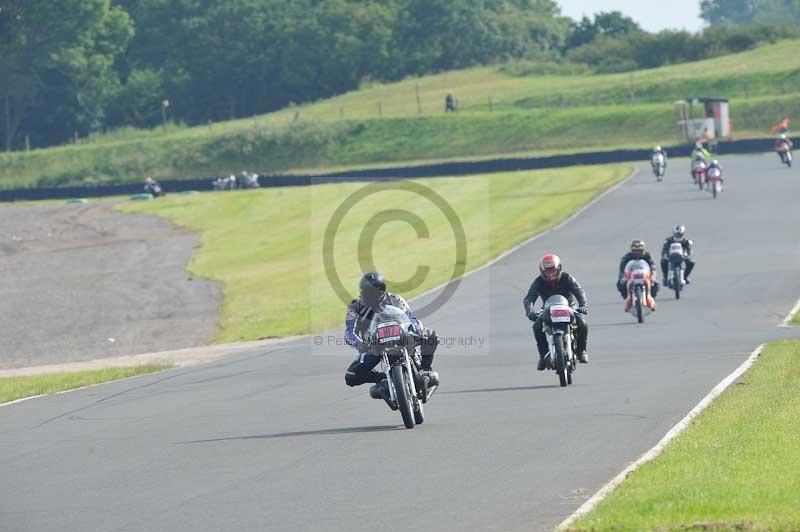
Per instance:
(275,441)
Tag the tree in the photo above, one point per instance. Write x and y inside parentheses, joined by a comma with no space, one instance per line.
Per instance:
(74,41)
(608,24)
(750,12)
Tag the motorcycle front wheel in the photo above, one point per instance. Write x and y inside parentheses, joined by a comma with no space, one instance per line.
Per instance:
(714,189)
(639,311)
(561,360)
(403,397)
(676,282)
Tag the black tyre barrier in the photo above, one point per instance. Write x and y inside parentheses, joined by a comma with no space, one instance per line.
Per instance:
(455,168)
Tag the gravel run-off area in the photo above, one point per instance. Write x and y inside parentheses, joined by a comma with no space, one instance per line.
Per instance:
(83,281)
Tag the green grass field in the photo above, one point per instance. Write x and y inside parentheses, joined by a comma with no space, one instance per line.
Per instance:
(734,468)
(12,388)
(265,246)
(347,131)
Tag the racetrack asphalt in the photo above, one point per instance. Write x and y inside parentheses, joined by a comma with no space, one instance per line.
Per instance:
(82,281)
(274,440)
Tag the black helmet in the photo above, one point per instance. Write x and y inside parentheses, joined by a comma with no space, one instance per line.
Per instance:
(372,289)
(679,232)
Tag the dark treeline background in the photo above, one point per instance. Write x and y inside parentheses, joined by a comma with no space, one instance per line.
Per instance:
(83,66)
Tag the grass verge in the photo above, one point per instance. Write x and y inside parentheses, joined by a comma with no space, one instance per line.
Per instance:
(12,388)
(734,468)
(265,246)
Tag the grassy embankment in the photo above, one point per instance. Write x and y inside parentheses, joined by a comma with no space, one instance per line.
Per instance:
(12,388)
(265,246)
(526,117)
(734,468)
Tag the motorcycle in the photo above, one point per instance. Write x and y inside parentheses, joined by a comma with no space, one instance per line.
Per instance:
(559,328)
(677,266)
(249,181)
(154,189)
(392,338)
(659,166)
(699,172)
(785,153)
(714,180)
(638,277)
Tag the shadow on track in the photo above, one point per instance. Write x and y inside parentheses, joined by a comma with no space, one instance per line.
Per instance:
(321,432)
(506,389)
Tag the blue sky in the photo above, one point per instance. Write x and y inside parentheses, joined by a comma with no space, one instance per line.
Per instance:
(651,15)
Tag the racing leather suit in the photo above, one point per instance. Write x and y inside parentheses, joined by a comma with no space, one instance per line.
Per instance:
(687,252)
(566,286)
(622,286)
(357,321)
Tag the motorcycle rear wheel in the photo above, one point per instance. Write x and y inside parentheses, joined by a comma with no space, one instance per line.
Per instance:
(561,361)
(403,397)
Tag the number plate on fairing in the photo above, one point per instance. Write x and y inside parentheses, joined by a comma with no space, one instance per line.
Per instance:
(560,314)
(388,333)
(676,247)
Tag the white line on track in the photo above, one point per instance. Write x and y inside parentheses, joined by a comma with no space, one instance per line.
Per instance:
(787,320)
(606,490)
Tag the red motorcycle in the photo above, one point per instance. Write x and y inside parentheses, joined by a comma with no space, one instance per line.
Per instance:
(714,178)
(699,167)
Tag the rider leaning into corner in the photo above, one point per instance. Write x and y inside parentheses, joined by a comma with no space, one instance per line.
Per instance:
(679,236)
(553,281)
(638,252)
(373,296)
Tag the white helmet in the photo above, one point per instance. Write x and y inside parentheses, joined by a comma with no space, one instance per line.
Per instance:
(783,136)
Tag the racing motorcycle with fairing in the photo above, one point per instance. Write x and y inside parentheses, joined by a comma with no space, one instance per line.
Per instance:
(699,167)
(659,166)
(559,323)
(393,338)
(677,266)
(638,277)
(714,180)
(784,152)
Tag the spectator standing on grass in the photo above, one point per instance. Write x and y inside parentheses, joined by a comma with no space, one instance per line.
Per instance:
(450,102)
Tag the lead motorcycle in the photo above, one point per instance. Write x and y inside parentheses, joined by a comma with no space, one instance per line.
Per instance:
(677,267)
(560,328)
(392,338)
(638,277)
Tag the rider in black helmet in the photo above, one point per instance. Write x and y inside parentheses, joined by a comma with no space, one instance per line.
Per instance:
(373,296)
(638,252)
(678,235)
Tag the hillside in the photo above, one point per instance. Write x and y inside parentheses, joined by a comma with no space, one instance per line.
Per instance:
(529,113)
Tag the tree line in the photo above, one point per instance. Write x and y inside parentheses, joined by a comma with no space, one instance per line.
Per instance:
(89,65)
